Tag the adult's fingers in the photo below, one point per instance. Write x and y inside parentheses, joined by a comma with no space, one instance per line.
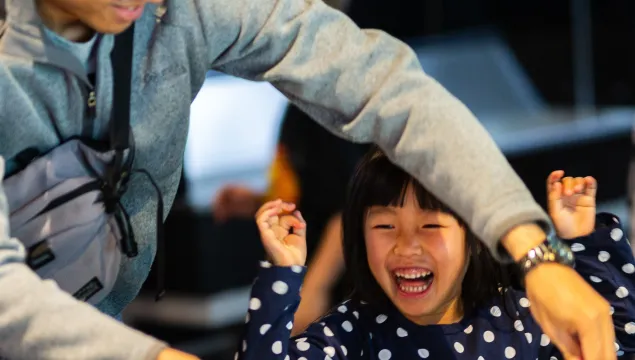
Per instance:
(597,337)
(568,344)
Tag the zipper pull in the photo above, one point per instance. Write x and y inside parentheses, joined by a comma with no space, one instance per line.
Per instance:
(92,99)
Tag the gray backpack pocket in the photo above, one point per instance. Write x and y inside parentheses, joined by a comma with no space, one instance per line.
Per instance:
(59,214)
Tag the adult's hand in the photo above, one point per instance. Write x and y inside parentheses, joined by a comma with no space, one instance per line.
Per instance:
(575,317)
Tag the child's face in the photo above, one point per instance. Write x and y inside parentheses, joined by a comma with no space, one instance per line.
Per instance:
(418,257)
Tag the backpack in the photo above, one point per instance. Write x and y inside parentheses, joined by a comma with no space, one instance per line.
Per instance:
(65,204)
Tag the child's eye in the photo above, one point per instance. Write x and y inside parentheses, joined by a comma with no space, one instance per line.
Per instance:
(383,226)
(431,226)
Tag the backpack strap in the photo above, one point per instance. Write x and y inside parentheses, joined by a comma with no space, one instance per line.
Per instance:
(118,172)
(121,58)
(122,139)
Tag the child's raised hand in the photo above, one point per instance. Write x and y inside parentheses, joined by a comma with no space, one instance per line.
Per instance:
(571,203)
(283,233)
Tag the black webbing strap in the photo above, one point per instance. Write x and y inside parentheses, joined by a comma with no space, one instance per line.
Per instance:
(121,140)
(121,57)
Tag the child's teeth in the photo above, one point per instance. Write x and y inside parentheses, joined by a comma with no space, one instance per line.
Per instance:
(412,276)
(413,289)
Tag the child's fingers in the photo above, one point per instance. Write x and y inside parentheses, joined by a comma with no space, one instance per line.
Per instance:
(591,186)
(554,178)
(556,192)
(264,217)
(288,207)
(567,186)
(300,231)
(290,221)
(298,214)
(578,185)
(267,206)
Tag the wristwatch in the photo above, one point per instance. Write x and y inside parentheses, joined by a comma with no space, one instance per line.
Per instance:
(551,250)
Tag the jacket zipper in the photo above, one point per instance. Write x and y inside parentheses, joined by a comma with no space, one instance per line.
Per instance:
(92,103)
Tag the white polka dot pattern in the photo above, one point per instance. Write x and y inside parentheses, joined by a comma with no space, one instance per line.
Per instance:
(529,337)
(544,340)
(254,304)
(280,287)
(617,234)
(328,332)
(459,347)
(303,346)
(510,352)
(264,328)
(604,256)
(577,247)
(524,302)
(621,292)
(402,333)
(276,348)
(595,279)
(385,354)
(347,326)
(330,351)
(495,311)
(488,336)
(423,353)
(381,318)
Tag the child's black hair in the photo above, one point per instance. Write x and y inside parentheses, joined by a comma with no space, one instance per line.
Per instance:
(379,182)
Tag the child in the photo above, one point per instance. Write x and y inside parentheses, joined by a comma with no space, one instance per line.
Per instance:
(425,287)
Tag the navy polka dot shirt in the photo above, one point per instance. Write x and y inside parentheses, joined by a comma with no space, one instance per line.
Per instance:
(355,330)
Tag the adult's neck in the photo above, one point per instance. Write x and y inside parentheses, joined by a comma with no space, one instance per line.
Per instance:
(64,24)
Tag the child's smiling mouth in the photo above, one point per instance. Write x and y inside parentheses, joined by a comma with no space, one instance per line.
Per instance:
(413,281)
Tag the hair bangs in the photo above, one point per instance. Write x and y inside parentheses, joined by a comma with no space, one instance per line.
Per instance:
(381,183)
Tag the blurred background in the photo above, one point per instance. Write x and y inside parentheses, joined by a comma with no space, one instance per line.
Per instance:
(553,82)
